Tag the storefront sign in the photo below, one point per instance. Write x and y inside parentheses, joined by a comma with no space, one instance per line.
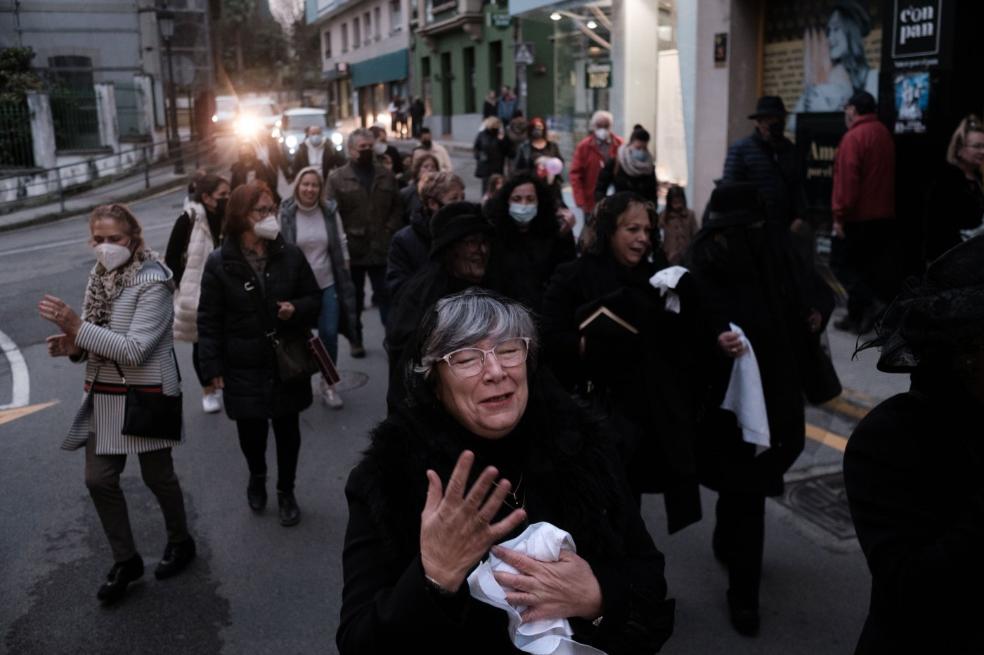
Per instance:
(501,20)
(916,28)
(598,75)
(817,138)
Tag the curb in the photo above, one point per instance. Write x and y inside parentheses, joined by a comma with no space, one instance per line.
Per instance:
(58,215)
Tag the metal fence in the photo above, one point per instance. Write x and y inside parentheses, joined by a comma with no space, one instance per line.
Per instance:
(128,103)
(16,150)
(76,118)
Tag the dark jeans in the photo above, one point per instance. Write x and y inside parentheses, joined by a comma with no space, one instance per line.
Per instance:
(873,257)
(380,297)
(102,477)
(253,441)
(739,537)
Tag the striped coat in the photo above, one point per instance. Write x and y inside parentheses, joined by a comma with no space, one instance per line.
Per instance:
(139,339)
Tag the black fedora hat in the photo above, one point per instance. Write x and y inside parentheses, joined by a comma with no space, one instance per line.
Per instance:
(769,106)
(456,221)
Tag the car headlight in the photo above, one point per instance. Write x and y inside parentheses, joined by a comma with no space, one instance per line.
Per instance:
(291,141)
(247,126)
(276,134)
(336,138)
(215,118)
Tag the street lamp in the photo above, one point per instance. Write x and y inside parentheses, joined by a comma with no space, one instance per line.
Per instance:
(165,21)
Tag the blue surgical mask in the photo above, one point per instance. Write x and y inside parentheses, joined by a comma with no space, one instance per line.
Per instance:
(521,213)
(640,155)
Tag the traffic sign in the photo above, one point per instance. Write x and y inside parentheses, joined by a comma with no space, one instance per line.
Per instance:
(524,53)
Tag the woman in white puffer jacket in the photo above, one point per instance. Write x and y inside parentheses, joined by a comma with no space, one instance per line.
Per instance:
(196,233)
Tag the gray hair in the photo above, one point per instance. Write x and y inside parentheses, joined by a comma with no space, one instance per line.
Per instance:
(361,133)
(602,114)
(463,319)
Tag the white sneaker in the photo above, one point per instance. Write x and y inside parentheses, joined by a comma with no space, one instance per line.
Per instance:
(212,402)
(331,398)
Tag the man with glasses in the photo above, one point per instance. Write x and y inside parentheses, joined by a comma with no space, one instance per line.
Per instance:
(863,207)
(459,256)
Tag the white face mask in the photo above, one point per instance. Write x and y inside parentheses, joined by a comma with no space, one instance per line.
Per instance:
(379,148)
(601,134)
(268,228)
(112,256)
(521,213)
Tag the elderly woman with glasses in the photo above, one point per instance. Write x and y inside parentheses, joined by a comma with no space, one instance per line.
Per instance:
(487,445)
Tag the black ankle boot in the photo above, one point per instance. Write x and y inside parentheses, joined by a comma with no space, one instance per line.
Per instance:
(744,615)
(290,513)
(176,558)
(256,492)
(121,575)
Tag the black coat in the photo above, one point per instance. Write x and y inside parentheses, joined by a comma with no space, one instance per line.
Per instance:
(571,479)
(774,168)
(330,160)
(266,174)
(913,474)
(747,273)
(612,174)
(409,252)
(490,151)
(646,384)
(231,335)
(955,203)
(522,263)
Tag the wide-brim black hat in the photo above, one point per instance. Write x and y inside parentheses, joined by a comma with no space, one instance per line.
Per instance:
(456,221)
(769,106)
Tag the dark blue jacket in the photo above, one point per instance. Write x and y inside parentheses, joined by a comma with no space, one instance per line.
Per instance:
(775,168)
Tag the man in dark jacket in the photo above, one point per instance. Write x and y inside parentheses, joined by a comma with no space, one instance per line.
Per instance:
(315,151)
(459,256)
(410,248)
(417,111)
(250,167)
(768,159)
(368,199)
(863,206)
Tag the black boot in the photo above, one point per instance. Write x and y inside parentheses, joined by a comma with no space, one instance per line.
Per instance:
(176,558)
(121,575)
(256,492)
(290,513)
(744,615)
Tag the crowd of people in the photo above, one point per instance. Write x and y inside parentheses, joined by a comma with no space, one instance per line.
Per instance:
(538,385)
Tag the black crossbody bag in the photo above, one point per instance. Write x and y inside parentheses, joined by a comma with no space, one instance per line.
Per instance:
(294,357)
(149,412)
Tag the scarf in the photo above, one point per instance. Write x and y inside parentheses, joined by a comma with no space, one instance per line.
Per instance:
(105,287)
(629,164)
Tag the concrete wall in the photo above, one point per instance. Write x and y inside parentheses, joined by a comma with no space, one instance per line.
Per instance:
(392,37)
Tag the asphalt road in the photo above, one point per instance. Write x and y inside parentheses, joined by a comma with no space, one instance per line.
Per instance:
(260,588)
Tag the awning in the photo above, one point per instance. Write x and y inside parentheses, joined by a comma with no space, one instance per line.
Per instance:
(385,68)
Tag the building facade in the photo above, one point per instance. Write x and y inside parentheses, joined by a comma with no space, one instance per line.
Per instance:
(462,49)
(365,56)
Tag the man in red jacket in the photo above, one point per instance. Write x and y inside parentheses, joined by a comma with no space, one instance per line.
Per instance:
(863,207)
(590,156)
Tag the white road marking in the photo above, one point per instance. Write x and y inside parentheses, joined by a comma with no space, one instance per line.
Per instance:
(71,242)
(18,373)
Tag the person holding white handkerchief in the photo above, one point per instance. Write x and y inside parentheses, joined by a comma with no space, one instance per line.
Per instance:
(434,560)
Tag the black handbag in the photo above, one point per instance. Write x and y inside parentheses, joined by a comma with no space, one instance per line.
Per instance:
(293,354)
(149,412)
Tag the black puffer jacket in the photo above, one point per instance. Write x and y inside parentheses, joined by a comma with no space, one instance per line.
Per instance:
(231,336)
(409,251)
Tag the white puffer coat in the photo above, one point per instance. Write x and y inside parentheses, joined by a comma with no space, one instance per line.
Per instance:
(186,297)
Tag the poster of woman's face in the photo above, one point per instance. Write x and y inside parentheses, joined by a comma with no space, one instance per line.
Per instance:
(819,53)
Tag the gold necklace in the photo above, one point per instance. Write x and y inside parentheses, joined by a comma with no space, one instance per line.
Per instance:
(514,494)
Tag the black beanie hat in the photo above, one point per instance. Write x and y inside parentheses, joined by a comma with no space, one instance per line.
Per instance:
(456,221)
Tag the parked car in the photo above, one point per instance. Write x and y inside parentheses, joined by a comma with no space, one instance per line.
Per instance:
(226,109)
(256,115)
(293,124)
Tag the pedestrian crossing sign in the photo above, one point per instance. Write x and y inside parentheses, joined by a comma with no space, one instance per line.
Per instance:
(524,53)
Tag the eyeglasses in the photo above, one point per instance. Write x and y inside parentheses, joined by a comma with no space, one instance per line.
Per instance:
(266,210)
(469,362)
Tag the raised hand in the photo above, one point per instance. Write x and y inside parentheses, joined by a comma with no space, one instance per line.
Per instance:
(550,590)
(456,529)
